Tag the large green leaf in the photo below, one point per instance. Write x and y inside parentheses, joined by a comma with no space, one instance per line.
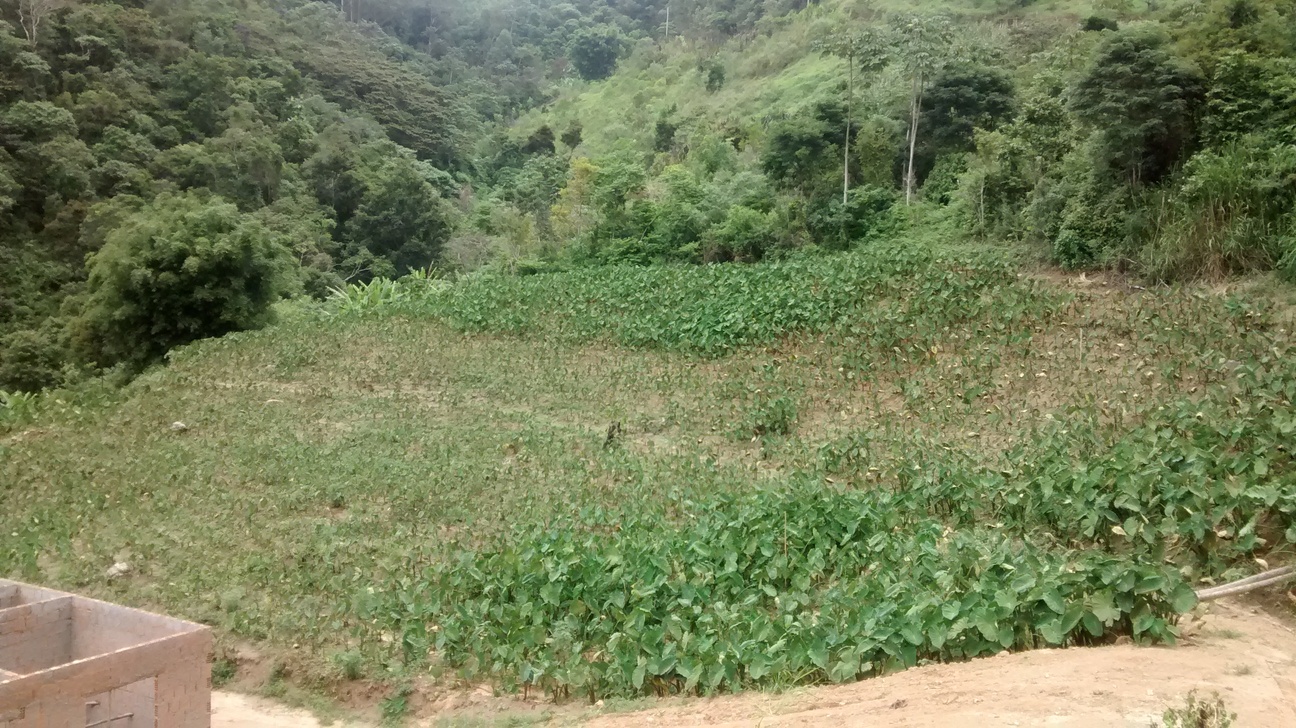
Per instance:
(1054,600)
(1183,599)
(1102,607)
(818,654)
(1052,631)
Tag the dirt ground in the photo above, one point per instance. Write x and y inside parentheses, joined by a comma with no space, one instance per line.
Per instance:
(1243,651)
(233,710)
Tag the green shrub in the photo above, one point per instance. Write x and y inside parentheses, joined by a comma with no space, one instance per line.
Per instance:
(184,267)
(715,75)
(30,360)
(350,663)
(1095,220)
(1230,213)
(1287,263)
(942,181)
(1095,23)
(17,407)
(1073,250)
(766,588)
(773,414)
(865,214)
(746,235)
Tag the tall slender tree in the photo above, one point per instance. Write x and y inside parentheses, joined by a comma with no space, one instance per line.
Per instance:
(32,14)
(923,45)
(863,50)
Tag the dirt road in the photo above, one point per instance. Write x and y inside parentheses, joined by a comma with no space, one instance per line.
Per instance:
(1246,654)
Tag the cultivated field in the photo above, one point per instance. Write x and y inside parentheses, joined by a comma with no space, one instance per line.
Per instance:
(635,481)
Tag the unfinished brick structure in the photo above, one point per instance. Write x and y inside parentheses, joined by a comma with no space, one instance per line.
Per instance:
(71,662)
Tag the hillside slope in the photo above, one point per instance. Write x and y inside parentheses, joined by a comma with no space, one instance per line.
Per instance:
(779,71)
(278,124)
(427,444)
(1107,137)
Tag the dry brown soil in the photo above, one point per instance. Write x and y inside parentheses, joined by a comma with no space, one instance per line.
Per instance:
(1242,650)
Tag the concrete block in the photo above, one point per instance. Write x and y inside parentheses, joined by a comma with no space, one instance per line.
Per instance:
(71,662)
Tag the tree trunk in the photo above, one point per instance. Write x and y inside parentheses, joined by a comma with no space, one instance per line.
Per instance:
(981,207)
(915,105)
(29,19)
(850,93)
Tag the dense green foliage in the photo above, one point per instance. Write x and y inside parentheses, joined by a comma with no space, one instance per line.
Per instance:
(180,268)
(782,587)
(894,301)
(1097,143)
(122,123)
(341,134)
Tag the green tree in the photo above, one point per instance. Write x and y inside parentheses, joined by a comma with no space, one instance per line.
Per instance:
(960,101)
(617,178)
(183,267)
(1250,94)
(1141,102)
(401,220)
(715,75)
(594,52)
(965,99)
(540,142)
(801,152)
(572,137)
(853,47)
(923,46)
(32,122)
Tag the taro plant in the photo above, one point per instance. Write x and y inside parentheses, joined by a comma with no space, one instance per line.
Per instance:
(17,407)
(772,414)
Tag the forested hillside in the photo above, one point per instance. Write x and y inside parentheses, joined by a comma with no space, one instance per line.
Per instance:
(169,170)
(658,356)
(209,158)
(1152,138)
